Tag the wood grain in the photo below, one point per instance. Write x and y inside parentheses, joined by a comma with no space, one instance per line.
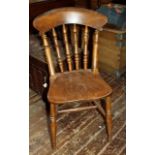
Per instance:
(77,86)
(69,15)
(112,51)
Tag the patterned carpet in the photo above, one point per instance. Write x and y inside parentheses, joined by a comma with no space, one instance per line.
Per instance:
(80,133)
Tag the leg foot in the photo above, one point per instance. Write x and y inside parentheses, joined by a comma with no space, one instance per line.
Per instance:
(109,117)
(53,125)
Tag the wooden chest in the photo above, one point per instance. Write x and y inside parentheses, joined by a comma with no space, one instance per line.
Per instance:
(112,51)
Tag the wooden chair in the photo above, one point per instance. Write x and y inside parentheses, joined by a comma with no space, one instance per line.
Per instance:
(76,84)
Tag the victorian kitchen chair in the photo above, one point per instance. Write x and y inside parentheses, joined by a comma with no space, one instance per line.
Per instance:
(78,83)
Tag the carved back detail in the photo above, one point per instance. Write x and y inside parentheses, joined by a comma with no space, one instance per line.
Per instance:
(50,20)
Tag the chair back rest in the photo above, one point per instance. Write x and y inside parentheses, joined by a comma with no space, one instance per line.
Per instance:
(62,17)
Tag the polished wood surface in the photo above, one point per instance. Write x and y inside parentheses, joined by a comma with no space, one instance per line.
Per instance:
(69,15)
(68,54)
(53,128)
(78,84)
(76,49)
(48,55)
(58,50)
(95,52)
(85,53)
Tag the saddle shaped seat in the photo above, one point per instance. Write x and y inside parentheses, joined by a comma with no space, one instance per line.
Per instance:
(77,86)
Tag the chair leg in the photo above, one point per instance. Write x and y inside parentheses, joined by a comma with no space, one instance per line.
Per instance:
(108,117)
(53,125)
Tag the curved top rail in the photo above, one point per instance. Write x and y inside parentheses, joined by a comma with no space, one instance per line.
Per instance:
(69,15)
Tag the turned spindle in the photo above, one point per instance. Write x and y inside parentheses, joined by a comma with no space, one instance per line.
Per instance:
(68,55)
(60,62)
(48,54)
(76,52)
(85,53)
(95,52)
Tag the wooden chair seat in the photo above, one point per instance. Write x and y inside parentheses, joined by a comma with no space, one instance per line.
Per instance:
(77,86)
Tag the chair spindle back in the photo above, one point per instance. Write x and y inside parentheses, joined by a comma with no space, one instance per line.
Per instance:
(76,16)
(68,54)
(76,52)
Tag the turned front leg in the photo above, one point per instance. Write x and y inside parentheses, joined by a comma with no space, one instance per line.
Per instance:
(53,125)
(108,117)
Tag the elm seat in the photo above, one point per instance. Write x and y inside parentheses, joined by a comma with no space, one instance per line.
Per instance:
(77,86)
